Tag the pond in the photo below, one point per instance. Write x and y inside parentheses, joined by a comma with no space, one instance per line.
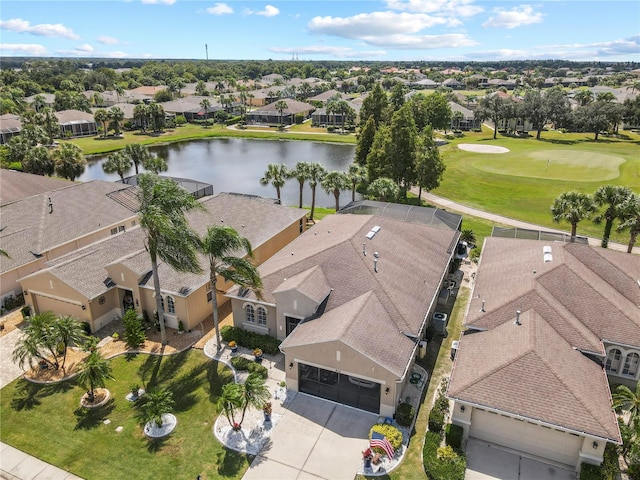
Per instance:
(237,165)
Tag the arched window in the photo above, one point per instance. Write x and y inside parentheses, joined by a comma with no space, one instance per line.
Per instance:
(171,306)
(251,316)
(631,364)
(262,316)
(612,365)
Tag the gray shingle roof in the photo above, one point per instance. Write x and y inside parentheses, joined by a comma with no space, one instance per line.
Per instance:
(16,185)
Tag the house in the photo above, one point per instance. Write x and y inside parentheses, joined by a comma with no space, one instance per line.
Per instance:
(269,114)
(465,120)
(98,282)
(320,117)
(58,217)
(453,84)
(74,123)
(549,325)
(10,125)
(325,96)
(350,299)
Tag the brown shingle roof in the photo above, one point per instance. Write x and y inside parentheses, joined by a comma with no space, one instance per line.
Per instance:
(529,370)
(16,185)
(312,283)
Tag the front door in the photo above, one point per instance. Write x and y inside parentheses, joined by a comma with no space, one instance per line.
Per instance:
(127,301)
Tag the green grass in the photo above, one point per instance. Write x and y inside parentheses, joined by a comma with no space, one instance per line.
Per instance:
(98,145)
(47,422)
(518,185)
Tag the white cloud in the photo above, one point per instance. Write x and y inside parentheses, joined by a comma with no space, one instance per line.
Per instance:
(44,29)
(517,16)
(23,48)
(374,24)
(220,9)
(106,40)
(158,2)
(268,11)
(80,51)
(422,42)
(338,52)
(458,8)
(116,55)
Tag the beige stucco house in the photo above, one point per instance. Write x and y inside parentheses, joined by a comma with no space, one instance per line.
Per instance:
(99,282)
(549,325)
(350,299)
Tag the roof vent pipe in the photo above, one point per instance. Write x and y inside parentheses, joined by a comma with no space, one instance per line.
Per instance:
(375,265)
(517,322)
(50,204)
(364,249)
(482,308)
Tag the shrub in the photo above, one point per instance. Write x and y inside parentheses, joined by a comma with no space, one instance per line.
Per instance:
(450,467)
(257,369)
(436,420)
(180,120)
(241,363)
(453,435)
(232,120)
(134,332)
(87,327)
(299,118)
(404,414)
(245,338)
(331,129)
(591,472)
(634,471)
(392,433)
(442,403)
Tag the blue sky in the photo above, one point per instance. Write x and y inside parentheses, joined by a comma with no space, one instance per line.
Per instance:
(430,30)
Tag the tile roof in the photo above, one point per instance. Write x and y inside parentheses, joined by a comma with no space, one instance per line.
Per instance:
(351,324)
(32,227)
(529,370)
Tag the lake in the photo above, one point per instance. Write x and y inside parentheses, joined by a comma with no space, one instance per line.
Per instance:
(237,165)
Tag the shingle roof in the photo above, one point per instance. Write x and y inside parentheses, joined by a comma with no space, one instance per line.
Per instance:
(312,283)
(531,371)
(74,116)
(31,226)
(293,107)
(16,185)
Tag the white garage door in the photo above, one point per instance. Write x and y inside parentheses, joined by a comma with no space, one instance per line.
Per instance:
(59,307)
(527,437)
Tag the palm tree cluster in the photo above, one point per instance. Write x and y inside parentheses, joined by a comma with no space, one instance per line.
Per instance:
(133,155)
(236,398)
(618,203)
(113,117)
(333,182)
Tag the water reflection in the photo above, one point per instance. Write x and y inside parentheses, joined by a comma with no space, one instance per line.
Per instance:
(236,165)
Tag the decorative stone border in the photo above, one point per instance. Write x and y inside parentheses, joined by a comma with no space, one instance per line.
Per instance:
(169,423)
(84,400)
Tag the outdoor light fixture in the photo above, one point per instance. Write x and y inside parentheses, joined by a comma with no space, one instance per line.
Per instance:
(386,391)
(291,365)
(462,408)
(595,444)
(26,292)
(83,307)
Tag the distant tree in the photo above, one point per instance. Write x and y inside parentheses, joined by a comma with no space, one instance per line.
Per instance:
(612,197)
(69,161)
(156,111)
(138,154)
(205,104)
(365,141)
(334,182)
(397,96)
(356,175)
(142,114)
(277,175)
(377,159)
(281,106)
(437,111)
(492,107)
(383,190)
(583,97)
(596,117)
(201,89)
(572,207)
(155,165)
(36,160)
(429,164)
(118,162)
(301,173)
(116,115)
(375,105)
(49,123)
(542,108)
(631,111)
(630,219)
(316,173)
(102,116)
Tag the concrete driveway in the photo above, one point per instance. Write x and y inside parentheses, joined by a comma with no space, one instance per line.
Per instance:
(9,371)
(314,439)
(489,462)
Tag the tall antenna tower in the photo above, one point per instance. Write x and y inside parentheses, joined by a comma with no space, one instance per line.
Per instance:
(206,50)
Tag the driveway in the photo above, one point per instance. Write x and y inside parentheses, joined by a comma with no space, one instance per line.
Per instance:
(9,371)
(314,439)
(486,461)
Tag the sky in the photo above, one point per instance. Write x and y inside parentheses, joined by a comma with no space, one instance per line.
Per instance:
(385,30)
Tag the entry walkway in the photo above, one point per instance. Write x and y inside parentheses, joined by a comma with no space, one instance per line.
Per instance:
(17,465)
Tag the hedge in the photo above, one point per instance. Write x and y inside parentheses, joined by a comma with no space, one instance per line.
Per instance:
(242,363)
(392,433)
(450,467)
(453,436)
(436,421)
(404,414)
(609,470)
(250,340)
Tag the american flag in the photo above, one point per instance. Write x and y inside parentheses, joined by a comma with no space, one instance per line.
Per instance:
(379,440)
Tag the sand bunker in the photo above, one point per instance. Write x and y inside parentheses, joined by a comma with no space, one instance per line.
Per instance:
(477,148)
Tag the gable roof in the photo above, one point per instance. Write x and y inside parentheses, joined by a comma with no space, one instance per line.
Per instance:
(16,185)
(311,283)
(529,370)
(293,107)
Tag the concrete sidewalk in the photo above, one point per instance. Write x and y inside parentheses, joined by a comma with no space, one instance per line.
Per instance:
(17,465)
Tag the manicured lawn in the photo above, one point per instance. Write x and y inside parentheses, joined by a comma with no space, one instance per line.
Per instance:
(47,422)
(522,184)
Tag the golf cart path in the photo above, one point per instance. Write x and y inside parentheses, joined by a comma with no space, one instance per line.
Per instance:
(499,219)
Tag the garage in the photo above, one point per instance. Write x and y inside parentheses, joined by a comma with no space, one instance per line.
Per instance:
(346,389)
(545,442)
(43,303)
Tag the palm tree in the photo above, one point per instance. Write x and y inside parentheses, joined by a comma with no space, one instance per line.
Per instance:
(138,154)
(573,207)
(116,115)
(94,374)
(611,196)
(584,97)
(119,163)
(119,91)
(230,402)
(156,405)
(383,189)
(468,236)
(38,103)
(163,205)
(70,333)
(155,165)
(626,399)
(277,175)
(141,113)
(69,162)
(221,244)
(156,111)
(281,106)
(316,174)
(301,173)
(205,104)
(334,182)
(50,123)
(39,342)
(254,393)
(357,175)
(102,116)
(630,219)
